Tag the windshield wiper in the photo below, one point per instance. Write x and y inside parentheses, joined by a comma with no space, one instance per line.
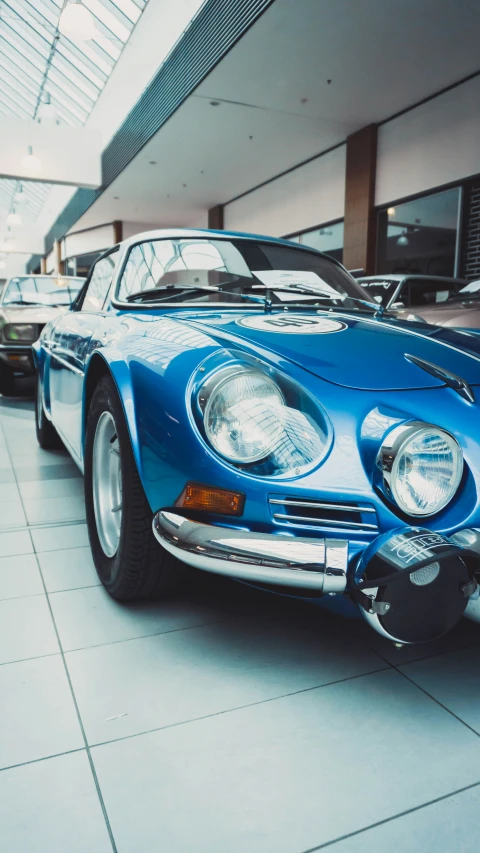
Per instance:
(307,291)
(152,291)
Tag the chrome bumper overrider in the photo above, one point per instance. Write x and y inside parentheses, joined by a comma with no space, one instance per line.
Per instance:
(314,564)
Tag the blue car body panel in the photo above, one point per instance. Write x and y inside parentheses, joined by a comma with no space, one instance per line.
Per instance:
(159,356)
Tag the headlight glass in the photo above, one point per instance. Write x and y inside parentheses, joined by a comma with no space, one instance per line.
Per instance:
(262,425)
(244,417)
(20,332)
(426,471)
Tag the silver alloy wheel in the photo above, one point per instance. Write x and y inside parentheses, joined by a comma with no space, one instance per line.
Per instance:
(107,484)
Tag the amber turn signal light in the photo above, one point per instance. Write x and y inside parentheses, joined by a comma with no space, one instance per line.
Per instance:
(211,499)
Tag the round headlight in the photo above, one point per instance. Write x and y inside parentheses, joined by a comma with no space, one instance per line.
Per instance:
(422,467)
(244,416)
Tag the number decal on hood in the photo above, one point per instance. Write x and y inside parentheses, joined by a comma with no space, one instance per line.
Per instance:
(293,324)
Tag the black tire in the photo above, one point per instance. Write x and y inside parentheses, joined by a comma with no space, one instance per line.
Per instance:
(140,568)
(7,381)
(47,435)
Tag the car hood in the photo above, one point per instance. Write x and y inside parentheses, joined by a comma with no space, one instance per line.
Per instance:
(31,314)
(355,352)
(465,315)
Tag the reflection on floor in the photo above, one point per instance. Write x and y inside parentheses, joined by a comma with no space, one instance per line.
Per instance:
(222,721)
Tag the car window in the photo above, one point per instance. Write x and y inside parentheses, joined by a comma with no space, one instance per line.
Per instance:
(226,270)
(52,290)
(99,284)
(381,290)
(429,291)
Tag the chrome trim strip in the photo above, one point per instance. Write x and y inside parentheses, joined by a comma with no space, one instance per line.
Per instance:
(65,363)
(315,564)
(330,521)
(317,505)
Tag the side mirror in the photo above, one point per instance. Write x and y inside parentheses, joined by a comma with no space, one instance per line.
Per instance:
(397,305)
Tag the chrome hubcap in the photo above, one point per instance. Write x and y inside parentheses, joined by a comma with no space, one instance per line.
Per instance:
(107,484)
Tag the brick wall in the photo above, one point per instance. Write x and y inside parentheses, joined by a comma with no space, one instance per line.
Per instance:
(471,233)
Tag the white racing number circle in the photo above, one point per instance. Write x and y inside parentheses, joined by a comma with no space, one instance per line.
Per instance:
(293,324)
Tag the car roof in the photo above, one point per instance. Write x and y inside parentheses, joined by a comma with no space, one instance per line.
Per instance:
(169,233)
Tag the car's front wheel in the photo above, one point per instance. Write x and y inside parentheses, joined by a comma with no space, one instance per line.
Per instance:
(129,561)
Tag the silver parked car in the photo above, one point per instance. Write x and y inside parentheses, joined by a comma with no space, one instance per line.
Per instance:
(27,303)
(411,292)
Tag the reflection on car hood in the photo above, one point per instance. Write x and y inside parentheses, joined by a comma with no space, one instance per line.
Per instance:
(465,315)
(356,352)
(32,313)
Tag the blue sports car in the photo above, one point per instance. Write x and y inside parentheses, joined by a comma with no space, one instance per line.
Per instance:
(238,404)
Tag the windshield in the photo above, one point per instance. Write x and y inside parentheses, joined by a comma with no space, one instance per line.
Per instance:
(230,271)
(41,290)
(470,291)
(381,291)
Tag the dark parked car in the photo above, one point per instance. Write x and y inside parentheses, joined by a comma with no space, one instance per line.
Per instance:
(27,303)
(414,293)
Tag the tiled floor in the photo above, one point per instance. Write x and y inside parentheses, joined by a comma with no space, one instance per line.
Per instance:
(222,721)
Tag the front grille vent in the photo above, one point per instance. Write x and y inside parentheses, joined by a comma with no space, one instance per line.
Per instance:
(302,512)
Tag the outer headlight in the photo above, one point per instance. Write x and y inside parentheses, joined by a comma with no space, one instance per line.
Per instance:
(244,416)
(422,467)
(20,332)
(262,421)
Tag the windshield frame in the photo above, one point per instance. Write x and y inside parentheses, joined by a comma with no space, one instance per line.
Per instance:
(121,304)
(18,304)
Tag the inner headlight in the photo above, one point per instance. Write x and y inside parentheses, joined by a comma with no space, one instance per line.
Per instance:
(21,332)
(244,416)
(262,421)
(422,467)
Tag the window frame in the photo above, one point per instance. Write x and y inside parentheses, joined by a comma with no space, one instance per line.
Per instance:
(119,304)
(77,305)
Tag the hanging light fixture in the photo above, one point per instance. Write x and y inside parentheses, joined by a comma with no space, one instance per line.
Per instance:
(47,112)
(20,197)
(31,163)
(403,239)
(14,218)
(76,22)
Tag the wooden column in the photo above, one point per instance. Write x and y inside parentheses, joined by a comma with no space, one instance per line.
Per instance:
(43,266)
(117,231)
(359,242)
(58,263)
(215,217)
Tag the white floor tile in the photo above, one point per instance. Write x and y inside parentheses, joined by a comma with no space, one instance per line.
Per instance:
(89,617)
(12,514)
(37,713)
(26,629)
(41,510)
(40,489)
(17,542)
(126,688)
(449,825)
(52,807)
(286,775)
(68,569)
(453,679)
(19,576)
(59,538)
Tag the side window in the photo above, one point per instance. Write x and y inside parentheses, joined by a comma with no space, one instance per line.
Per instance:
(99,284)
(430,291)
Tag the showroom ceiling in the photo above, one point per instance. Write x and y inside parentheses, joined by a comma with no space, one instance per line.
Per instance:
(37,61)
(38,64)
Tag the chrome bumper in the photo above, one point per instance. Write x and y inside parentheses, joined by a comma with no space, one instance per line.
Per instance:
(311,564)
